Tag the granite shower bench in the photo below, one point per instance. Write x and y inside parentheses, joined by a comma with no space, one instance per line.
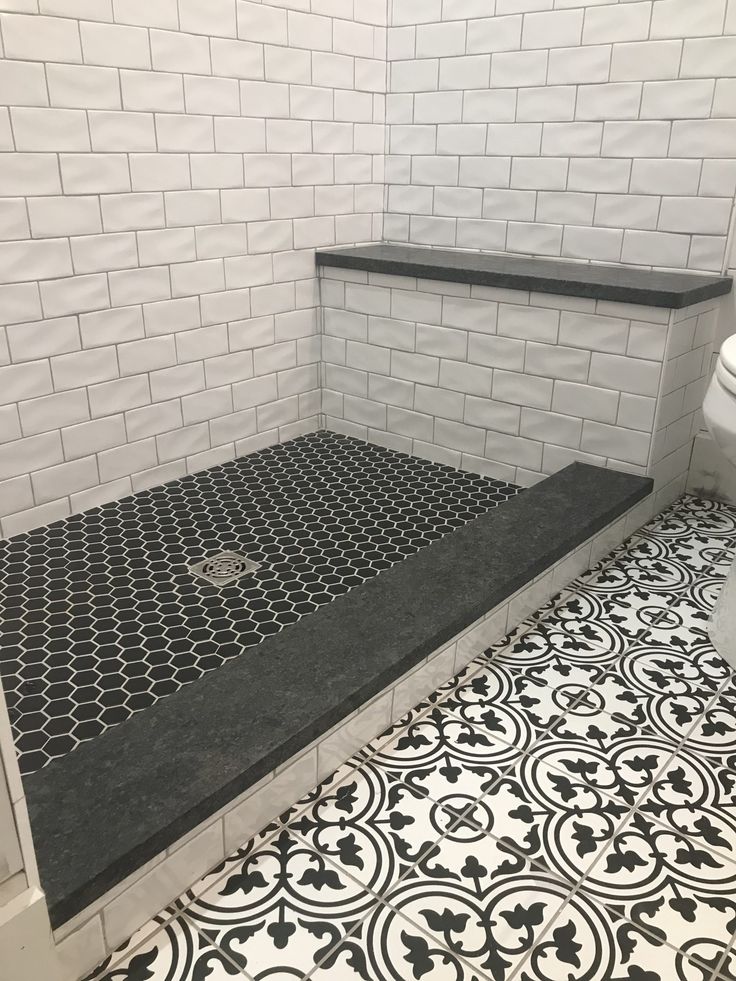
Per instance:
(514,366)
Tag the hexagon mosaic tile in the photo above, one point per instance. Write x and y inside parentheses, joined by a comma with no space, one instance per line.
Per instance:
(100,615)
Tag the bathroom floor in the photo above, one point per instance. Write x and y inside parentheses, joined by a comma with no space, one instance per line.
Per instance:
(565,810)
(100,615)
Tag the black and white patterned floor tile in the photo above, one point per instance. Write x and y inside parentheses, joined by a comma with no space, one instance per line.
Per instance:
(279,911)
(637,589)
(374,827)
(588,942)
(518,706)
(414,715)
(670,885)
(677,541)
(683,625)
(555,819)
(446,758)
(607,611)
(697,798)
(670,715)
(665,667)
(547,644)
(712,518)
(479,899)
(618,758)
(713,736)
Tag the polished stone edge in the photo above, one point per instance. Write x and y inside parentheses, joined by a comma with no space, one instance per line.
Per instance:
(116,802)
(620,283)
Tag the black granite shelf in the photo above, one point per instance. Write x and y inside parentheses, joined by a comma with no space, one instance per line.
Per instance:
(101,812)
(599,282)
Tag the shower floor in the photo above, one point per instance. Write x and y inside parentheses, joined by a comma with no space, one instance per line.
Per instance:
(100,616)
(563,809)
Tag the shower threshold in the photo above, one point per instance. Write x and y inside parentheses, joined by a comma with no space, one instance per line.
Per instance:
(120,799)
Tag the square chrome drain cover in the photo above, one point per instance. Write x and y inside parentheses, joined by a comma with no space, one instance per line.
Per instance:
(223,568)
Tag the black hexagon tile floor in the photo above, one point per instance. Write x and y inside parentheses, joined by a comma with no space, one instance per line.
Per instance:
(563,810)
(100,615)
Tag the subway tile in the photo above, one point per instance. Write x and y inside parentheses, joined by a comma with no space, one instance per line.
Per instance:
(496,352)
(634,375)
(27,455)
(468,378)
(580,65)
(612,22)
(43,339)
(622,444)
(528,323)
(586,401)
(522,389)
(64,479)
(645,60)
(24,381)
(556,361)
(38,38)
(550,427)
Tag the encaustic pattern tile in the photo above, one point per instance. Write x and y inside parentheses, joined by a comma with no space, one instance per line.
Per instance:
(670,885)
(374,827)
(671,715)
(711,518)
(697,798)
(587,941)
(388,947)
(649,668)
(714,734)
(556,820)
(549,643)
(281,910)
(682,625)
(518,707)
(610,611)
(478,899)
(616,757)
(446,758)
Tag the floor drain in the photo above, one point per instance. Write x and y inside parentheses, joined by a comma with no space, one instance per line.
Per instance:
(223,568)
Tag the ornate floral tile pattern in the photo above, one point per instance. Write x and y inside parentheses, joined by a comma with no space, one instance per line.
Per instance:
(563,811)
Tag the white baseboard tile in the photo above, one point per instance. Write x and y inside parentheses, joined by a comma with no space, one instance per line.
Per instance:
(258,810)
(82,949)
(362,727)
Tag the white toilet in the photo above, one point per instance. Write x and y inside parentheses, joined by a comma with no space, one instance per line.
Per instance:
(719,409)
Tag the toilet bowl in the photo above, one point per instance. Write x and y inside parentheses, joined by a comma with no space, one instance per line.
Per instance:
(719,410)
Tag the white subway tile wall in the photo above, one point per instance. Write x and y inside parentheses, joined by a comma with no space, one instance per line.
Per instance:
(573,128)
(515,385)
(166,170)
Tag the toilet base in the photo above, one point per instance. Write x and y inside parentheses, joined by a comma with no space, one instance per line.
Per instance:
(722,627)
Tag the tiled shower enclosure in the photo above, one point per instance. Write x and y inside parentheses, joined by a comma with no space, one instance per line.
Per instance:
(191,364)
(166,170)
